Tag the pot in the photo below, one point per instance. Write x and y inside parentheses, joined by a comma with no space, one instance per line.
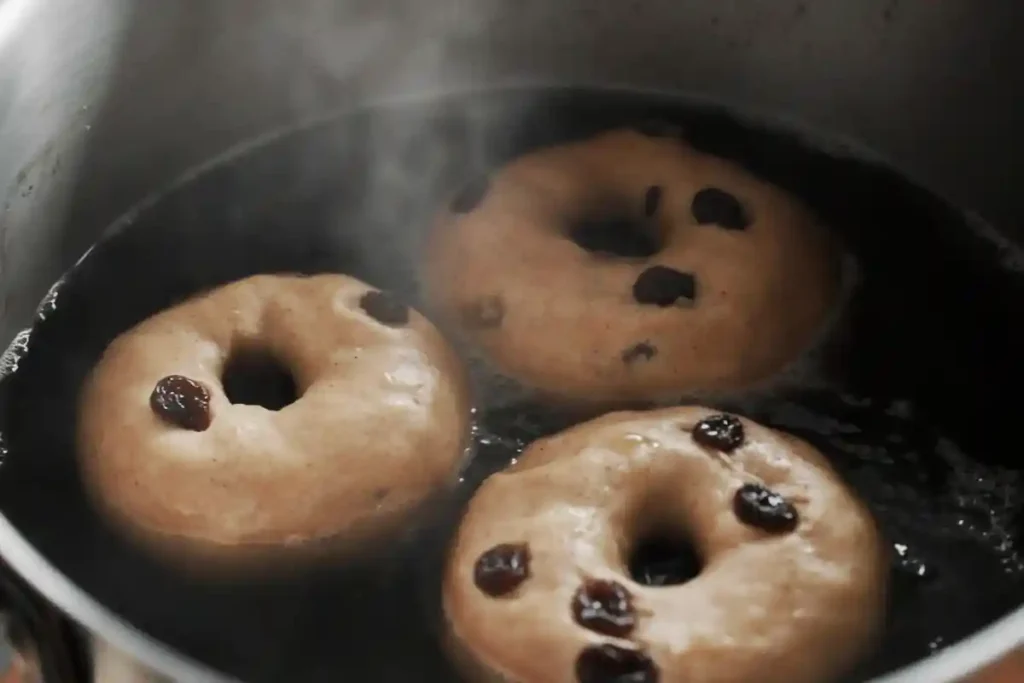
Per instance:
(104,101)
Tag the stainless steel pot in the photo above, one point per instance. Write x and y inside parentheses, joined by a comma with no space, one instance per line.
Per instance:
(104,100)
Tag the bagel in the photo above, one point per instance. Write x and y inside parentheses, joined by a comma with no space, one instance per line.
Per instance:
(628,269)
(376,422)
(547,582)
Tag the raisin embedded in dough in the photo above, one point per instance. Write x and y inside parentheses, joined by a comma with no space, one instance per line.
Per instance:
(502,569)
(664,286)
(720,432)
(760,507)
(182,402)
(714,206)
(604,607)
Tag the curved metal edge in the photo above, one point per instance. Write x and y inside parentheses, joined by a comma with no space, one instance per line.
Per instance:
(952,664)
(67,597)
(966,657)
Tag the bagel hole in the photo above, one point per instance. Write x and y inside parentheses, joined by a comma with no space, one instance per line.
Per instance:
(258,378)
(663,558)
(615,234)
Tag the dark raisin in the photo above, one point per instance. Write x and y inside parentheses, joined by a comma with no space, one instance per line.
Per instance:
(385,308)
(764,509)
(501,570)
(663,286)
(613,664)
(604,607)
(652,200)
(484,314)
(643,350)
(471,194)
(712,206)
(656,128)
(182,402)
(721,432)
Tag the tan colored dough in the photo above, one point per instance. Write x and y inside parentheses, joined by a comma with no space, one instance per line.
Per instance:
(508,281)
(379,427)
(797,607)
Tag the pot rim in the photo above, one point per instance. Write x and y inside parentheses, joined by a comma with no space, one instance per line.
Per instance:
(951,664)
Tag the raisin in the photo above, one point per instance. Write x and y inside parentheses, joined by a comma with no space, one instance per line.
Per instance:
(721,432)
(182,402)
(760,507)
(502,569)
(604,607)
(663,286)
(713,206)
(385,308)
(613,664)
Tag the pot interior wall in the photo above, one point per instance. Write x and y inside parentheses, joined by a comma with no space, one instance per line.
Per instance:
(105,100)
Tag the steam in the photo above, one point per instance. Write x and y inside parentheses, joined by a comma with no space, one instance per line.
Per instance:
(399,46)
(396,50)
(409,52)
(412,51)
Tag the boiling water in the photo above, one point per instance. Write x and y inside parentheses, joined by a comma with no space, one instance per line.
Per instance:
(913,400)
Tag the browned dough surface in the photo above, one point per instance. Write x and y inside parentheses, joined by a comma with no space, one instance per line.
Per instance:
(506,278)
(380,424)
(796,607)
